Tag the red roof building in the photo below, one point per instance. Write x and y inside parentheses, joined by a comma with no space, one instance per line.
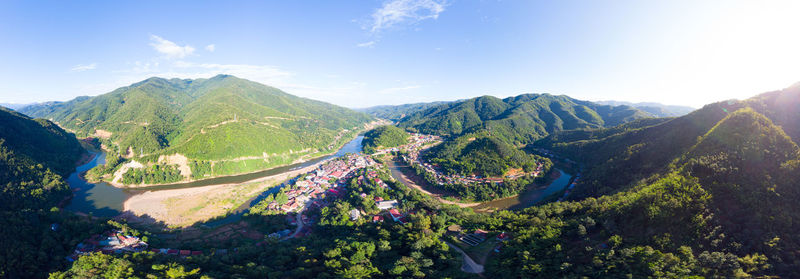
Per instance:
(395,214)
(185,252)
(503,236)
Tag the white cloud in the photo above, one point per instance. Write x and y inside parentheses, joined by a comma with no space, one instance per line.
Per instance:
(211,47)
(170,49)
(396,12)
(82,67)
(367,44)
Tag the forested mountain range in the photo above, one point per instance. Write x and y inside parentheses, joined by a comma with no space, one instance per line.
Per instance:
(655,109)
(708,194)
(504,125)
(226,124)
(518,120)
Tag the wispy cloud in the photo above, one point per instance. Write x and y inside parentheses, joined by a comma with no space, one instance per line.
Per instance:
(82,67)
(170,49)
(395,13)
(398,89)
(366,44)
(211,47)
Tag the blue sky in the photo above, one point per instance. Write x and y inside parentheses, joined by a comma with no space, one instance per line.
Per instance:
(365,53)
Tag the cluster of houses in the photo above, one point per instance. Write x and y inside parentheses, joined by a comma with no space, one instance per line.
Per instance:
(388,211)
(328,179)
(441,178)
(108,243)
(115,242)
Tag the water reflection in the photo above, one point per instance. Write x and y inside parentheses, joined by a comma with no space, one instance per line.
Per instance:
(102,199)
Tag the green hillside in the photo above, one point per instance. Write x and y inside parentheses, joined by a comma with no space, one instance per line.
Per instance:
(724,209)
(384,137)
(518,120)
(480,154)
(233,125)
(35,156)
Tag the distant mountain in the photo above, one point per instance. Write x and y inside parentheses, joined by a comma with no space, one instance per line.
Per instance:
(225,124)
(518,120)
(13,106)
(656,109)
(395,113)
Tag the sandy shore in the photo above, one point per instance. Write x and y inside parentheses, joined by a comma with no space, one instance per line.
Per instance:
(183,207)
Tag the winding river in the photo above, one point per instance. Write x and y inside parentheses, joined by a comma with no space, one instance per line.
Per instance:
(527,198)
(103,200)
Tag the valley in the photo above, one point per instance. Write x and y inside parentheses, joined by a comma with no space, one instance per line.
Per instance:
(463,202)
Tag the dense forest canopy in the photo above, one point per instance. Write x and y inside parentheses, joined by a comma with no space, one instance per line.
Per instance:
(517,120)
(708,194)
(480,154)
(384,137)
(35,155)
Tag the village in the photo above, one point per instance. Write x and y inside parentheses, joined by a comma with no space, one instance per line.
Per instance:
(316,189)
(412,157)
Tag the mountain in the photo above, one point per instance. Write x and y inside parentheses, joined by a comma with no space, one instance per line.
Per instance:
(710,194)
(656,109)
(13,106)
(222,125)
(395,113)
(518,120)
(35,156)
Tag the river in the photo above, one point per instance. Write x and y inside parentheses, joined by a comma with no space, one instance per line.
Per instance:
(103,200)
(527,198)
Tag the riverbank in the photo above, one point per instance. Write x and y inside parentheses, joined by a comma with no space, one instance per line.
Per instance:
(409,181)
(558,180)
(187,206)
(352,146)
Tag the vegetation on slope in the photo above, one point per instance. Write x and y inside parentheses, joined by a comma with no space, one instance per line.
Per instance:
(384,137)
(706,217)
(234,124)
(338,247)
(517,120)
(482,155)
(35,155)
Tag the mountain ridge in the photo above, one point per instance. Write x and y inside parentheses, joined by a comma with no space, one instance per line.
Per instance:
(215,121)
